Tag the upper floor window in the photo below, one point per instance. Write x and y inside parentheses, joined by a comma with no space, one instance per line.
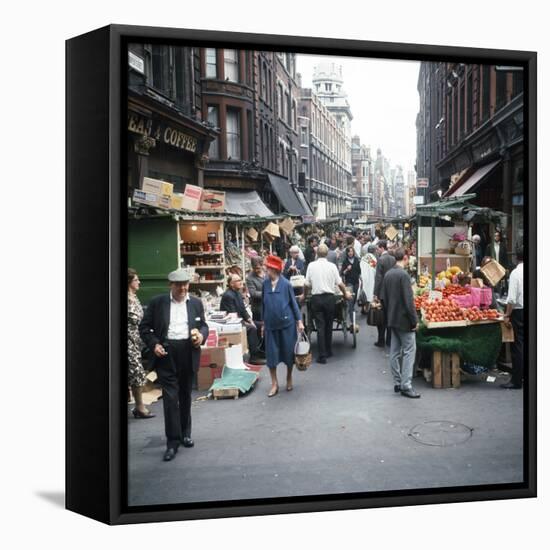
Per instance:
(213,118)
(211,63)
(231,65)
(233,135)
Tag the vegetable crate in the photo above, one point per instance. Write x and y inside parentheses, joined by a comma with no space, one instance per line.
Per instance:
(445,370)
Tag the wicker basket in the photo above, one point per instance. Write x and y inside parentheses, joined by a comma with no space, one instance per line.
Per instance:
(302,362)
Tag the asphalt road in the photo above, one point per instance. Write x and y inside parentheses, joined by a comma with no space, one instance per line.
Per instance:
(342,429)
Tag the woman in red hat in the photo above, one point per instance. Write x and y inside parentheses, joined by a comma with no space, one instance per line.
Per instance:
(282,320)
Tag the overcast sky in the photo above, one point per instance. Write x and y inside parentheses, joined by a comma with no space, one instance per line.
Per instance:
(383,100)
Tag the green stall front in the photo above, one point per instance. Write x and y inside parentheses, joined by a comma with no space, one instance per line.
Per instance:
(153,251)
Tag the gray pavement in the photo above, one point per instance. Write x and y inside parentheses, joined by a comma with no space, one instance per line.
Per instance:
(342,429)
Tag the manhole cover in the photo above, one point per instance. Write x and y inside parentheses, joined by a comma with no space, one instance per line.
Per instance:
(441,433)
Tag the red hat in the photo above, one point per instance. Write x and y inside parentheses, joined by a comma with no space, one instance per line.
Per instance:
(274,262)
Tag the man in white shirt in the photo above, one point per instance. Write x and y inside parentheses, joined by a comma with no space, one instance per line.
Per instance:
(514,315)
(322,279)
(173,328)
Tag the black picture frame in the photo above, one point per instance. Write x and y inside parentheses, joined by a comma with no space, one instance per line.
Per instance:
(96,476)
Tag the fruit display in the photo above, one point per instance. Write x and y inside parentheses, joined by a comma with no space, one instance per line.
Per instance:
(424,281)
(442,311)
(475,315)
(420,300)
(455,290)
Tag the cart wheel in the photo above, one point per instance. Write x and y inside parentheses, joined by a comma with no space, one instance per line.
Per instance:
(354,333)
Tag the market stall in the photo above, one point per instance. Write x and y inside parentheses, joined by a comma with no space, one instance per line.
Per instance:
(460,330)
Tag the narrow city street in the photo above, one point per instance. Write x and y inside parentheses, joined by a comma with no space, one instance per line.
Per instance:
(342,429)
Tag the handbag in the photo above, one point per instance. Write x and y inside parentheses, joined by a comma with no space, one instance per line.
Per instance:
(375,315)
(302,352)
(362,299)
(297,281)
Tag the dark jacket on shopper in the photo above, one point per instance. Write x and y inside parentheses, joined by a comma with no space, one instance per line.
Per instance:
(351,278)
(398,300)
(502,254)
(233,302)
(384,264)
(254,284)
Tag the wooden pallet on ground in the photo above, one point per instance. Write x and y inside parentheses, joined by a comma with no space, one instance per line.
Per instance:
(445,370)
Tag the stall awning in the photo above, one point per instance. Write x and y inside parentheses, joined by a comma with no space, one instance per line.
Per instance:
(472,181)
(288,197)
(246,202)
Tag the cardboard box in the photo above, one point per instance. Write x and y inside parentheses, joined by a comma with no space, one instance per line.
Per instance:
(142,197)
(176,202)
(212,357)
(192,197)
(493,272)
(158,187)
(206,376)
(213,201)
(165,201)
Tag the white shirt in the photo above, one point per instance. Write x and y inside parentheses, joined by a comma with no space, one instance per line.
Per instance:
(497,250)
(357,247)
(323,277)
(515,287)
(178,328)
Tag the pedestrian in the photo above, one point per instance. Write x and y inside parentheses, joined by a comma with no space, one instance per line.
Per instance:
(398,301)
(368,274)
(173,328)
(365,244)
(356,243)
(136,372)
(310,253)
(293,265)
(254,285)
(477,252)
(514,316)
(282,322)
(497,250)
(351,274)
(385,262)
(323,278)
(232,302)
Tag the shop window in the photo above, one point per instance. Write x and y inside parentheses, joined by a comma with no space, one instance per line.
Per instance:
(214,119)
(211,63)
(231,65)
(233,135)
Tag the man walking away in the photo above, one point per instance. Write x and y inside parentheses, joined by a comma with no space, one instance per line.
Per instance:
(398,301)
(514,314)
(322,278)
(385,262)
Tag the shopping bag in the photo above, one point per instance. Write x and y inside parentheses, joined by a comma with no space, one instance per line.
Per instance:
(297,281)
(507,332)
(362,298)
(302,352)
(375,315)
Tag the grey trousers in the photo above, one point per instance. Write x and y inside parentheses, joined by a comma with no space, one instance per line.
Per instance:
(402,356)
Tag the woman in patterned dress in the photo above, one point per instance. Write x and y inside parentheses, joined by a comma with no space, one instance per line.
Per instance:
(136,372)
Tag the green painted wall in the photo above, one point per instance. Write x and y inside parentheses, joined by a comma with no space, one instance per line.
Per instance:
(153,253)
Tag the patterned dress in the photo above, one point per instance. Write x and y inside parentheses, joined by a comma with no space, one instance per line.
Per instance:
(136,372)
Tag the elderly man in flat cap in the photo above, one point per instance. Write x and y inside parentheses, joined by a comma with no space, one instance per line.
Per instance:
(173,328)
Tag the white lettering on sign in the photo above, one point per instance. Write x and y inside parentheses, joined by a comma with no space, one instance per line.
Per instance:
(135,62)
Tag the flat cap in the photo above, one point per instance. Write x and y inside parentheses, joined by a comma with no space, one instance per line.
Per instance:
(179,276)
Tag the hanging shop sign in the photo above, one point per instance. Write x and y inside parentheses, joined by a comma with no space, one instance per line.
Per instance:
(140,124)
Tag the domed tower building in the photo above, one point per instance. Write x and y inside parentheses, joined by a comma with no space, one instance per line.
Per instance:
(328,86)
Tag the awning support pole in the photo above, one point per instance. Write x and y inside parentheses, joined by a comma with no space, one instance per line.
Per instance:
(433,252)
(242,249)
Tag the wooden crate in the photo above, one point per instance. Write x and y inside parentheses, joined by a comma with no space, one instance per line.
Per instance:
(445,370)
(226,393)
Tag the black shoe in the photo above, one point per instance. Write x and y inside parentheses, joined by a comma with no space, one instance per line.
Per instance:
(379,344)
(187,442)
(139,414)
(397,388)
(257,361)
(510,386)
(329,354)
(322,360)
(170,454)
(410,393)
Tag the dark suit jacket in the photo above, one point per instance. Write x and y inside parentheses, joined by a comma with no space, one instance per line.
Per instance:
(502,254)
(233,302)
(153,329)
(352,276)
(299,265)
(397,298)
(384,264)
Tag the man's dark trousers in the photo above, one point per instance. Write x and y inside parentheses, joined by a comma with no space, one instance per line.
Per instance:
(175,375)
(517,347)
(322,307)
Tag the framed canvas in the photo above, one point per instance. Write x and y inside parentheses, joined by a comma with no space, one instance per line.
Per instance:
(202,163)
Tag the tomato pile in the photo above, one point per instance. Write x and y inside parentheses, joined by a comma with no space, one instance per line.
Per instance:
(419,301)
(474,314)
(457,290)
(442,311)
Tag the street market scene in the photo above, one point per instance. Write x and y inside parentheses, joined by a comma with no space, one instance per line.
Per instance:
(307,314)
